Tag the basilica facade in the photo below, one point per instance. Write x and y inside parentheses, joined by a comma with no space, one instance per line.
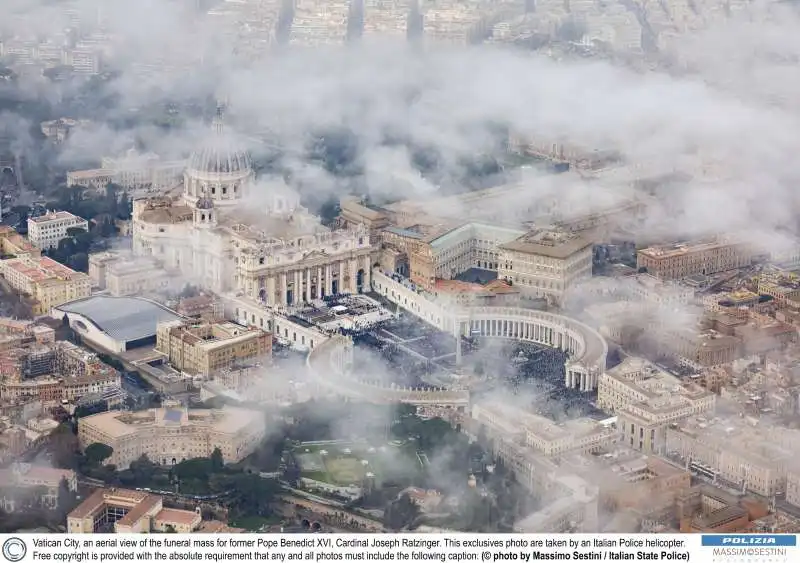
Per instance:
(229,233)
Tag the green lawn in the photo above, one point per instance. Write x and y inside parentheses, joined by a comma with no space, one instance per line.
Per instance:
(252,523)
(343,462)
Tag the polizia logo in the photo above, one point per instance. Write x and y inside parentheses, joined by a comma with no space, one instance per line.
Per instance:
(749,541)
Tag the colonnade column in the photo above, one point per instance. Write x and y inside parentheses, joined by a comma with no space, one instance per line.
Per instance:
(297,294)
(271,291)
(353,268)
(367,274)
(309,297)
(328,279)
(320,288)
(340,286)
(284,288)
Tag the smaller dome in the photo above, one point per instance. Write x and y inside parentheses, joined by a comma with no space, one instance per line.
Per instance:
(204,202)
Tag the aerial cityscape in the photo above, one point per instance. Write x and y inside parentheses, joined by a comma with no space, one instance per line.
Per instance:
(289,266)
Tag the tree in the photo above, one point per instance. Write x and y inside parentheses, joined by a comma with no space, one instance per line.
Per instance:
(64,447)
(67,500)
(217,461)
(195,469)
(79,262)
(400,513)
(23,211)
(97,453)
(251,495)
(124,206)
(75,231)
(142,470)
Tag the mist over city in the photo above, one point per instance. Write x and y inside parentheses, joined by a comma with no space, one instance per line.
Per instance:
(399,265)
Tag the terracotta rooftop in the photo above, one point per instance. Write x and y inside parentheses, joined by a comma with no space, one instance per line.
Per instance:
(97,499)
(175,516)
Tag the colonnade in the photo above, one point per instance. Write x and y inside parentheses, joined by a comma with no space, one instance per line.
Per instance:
(581,373)
(304,284)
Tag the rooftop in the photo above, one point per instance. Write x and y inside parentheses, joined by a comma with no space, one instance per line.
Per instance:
(228,420)
(549,243)
(680,248)
(123,318)
(54,216)
(42,269)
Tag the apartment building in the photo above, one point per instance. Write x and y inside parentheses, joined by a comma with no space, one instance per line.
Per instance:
(386,19)
(319,22)
(452,22)
(47,282)
(206,347)
(14,244)
(546,263)
(58,130)
(793,486)
(21,479)
(46,231)
(540,434)
(123,511)
(738,450)
(646,400)
(173,433)
(703,257)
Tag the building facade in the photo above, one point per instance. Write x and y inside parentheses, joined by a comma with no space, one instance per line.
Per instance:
(204,348)
(647,400)
(226,237)
(46,231)
(172,433)
(756,459)
(124,511)
(136,173)
(546,263)
(127,275)
(704,258)
(47,282)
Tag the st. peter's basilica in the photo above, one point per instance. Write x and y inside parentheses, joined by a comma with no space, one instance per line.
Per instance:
(223,236)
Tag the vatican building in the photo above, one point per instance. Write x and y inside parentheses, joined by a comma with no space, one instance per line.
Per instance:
(229,233)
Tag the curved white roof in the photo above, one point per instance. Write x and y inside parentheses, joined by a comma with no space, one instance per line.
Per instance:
(122,318)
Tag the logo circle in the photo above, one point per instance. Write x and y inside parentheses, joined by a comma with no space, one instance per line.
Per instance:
(14,549)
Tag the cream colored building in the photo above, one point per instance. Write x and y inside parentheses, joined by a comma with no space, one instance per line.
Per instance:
(705,257)
(227,237)
(47,282)
(133,171)
(172,433)
(46,231)
(204,348)
(546,263)
(128,275)
(793,486)
(443,250)
(540,434)
(123,511)
(647,400)
(14,244)
(738,450)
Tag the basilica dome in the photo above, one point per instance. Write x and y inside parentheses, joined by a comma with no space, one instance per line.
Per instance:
(220,158)
(220,154)
(219,171)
